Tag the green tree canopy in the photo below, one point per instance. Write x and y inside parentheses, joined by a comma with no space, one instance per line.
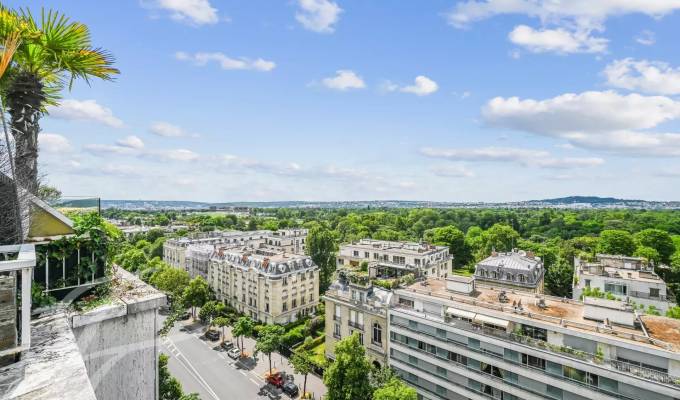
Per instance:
(658,240)
(500,237)
(617,242)
(648,253)
(395,389)
(170,280)
(196,294)
(244,326)
(559,278)
(346,378)
(302,364)
(269,340)
(454,239)
(321,248)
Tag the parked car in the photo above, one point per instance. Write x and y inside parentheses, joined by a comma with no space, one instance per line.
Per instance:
(212,335)
(234,353)
(291,389)
(227,345)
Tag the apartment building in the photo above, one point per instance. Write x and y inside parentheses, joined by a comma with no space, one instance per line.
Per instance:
(452,340)
(628,278)
(269,285)
(175,250)
(515,270)
(421,259)
(357,307)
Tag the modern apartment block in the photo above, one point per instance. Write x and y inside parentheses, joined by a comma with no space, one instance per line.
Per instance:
(452,340)
(421,259)
(626,278)
(268,285)
(516,270)
(358,307)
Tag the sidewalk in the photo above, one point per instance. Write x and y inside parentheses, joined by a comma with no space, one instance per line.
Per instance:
(314,383)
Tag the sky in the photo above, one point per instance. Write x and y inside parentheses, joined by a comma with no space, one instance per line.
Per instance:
(476,100)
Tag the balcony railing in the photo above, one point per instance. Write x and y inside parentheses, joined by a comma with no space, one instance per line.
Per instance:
(20,259)
(647,295)
(564,351)
(356,325)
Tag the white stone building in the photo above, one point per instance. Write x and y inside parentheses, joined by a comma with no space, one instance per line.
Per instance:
(516,270)
(626,278)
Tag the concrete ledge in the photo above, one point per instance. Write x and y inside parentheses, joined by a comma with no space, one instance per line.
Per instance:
(52,368)
(131,296)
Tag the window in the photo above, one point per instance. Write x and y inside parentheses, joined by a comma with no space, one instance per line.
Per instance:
(337,314)
(311,297)
(399,260)
(417,262)
(285,306)
(406,302)
(376,256)
(355,253)
(534,332)
(367,254)
(377,333)
(654,292)
(361,338)
(532,361)
(615,288)
(266,307)
(293,303)
(587,283)
(336,331)
(285,280)
(341,261)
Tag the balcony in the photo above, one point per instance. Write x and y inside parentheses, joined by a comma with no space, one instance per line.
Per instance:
(647,295)
(337,318)
(563,351)
(356,325)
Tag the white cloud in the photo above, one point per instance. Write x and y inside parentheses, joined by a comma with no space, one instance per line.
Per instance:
(173,155)
(525,157)
(646,38)
(594,120)
(53,143)
(557,40)
(283,168)
(452,171)
(582,11)
(85,110)
(107,149)
(132,142)
(121,170)
(225,62)
(318,15)
(641,75)
(585,112)
(166,129)
(422,86)
(199,12)
(343,80)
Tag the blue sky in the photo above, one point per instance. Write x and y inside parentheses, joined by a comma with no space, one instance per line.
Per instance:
(483,100)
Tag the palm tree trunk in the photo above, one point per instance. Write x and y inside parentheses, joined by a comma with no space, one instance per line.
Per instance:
(25,99)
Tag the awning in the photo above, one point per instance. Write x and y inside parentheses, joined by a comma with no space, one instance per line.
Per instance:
(460,313)
(486,320)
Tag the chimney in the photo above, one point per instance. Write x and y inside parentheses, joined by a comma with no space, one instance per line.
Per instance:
(530,254)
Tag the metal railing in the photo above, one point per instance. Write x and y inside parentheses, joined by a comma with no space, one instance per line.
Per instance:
(355,324)
(647,295)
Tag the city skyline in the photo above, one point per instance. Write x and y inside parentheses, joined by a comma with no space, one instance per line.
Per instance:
(348,100)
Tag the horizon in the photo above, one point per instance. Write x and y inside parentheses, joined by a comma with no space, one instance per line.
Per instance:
(322,100)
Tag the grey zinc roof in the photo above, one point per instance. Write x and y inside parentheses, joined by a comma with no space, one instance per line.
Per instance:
(513,260)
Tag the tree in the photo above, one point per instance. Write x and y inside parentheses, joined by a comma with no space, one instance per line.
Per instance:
(244,326)
(222,322)
(454,239)
(346,378)
(617,242)
(170,280)
(133,259)
(395,389)
(321,248)
(207,313)
(269,340)
(559,278)
(500,237)
(648,253)
(48,193)
(658,240)
(302,364)
(52,52)
(169,387)
(196,294)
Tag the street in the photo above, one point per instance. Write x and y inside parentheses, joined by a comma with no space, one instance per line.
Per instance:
(202,367)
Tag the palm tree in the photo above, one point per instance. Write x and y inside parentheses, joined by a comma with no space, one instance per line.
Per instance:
(52,55)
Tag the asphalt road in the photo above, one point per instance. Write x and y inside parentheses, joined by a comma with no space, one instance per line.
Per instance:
(202,368)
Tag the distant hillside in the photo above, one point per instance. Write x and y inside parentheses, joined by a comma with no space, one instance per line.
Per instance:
(562,202)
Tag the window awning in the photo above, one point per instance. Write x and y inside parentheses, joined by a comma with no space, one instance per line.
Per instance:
(485,319)
(460,313)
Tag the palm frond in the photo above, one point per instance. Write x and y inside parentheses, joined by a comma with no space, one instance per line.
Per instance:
(12,42)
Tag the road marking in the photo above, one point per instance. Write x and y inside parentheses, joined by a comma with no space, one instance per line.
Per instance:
(195,373)
(256,384)
(242,373)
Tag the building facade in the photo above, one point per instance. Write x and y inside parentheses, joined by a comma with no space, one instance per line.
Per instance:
(515,270)
(361,308)
(626,278)
(421,259)
(452,340)
(269,286)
